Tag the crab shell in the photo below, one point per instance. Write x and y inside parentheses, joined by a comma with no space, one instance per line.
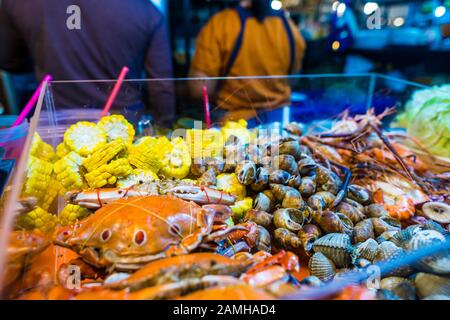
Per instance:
(128,233)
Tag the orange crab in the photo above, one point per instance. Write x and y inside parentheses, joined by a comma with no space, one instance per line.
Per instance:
(129,233)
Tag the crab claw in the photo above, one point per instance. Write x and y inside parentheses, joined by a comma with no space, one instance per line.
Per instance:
(97,198)
(202,195)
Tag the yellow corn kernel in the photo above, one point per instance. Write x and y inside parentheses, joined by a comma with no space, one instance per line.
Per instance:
(146,154)
(41,150)
(120,168)
(230,183)
(51,194)
(68,172)
(108,173)
(38,178)
(71,213)
(62,150)
(104,154)
(84,138)
(116,126)
(241,207)
(38,219)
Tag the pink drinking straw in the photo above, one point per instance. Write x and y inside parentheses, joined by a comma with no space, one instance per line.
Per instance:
(206,105)
(115,91)
(30,105)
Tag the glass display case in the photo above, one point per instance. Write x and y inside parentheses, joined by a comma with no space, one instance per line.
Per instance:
(71,158)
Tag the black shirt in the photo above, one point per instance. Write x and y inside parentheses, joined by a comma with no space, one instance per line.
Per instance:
(112,34)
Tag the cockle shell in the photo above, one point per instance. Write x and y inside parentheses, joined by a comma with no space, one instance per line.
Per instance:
(321,267)
(429,285)
(437,263)
(388,251)
(336,246)
(402,237)
(431,225)
(366,250)
(386,236)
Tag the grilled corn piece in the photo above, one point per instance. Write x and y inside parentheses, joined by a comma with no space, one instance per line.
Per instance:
(71,213)
(104,154)
(116,126)
(38,178)
(68,172)
(109,173)
(84,138)
(177,162)
(38,219)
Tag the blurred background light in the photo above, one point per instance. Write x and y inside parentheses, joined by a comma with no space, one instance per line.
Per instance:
(370,7)
(276,5)
(439,11)
(341,9)
(398,22)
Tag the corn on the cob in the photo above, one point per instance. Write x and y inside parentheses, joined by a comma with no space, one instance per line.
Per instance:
(116,126)
(52,192)
(177,162)
(84,138)
(138,176)
(61,150)
(68,172)
(71,213)
(38,219)
(108,173)
(147,154)
(205,143)
(104,154)
(41,149)
(38,178)
(230,183)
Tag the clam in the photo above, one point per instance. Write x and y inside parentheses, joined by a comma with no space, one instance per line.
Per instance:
(437,211)
(321,267)
(291,219)
(353,213)
(437,263)
(260,217)
(366,250)
(246,172)
(336,246)
(429,285)
(363,231)
(308,234)
(375,211)
(264,201)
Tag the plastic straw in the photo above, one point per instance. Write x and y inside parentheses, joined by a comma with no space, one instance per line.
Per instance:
(206,105)
(115,91)
(30,105)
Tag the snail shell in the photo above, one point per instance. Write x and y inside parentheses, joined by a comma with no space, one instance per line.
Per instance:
(294,182)
(286,239)
(260,217)
(264,201)
(261,180)
(321,267)
(366,250)
(429,285)
(279,177)
(308,234)
(292,148)
(381,225)
(307,166)
(375,211)
(359,194)
(336,246)
(363,231)
(389,283)
(293,199)
(321,200)
(264,240)
(437,211)
(331,222)
(279,191)
(246,172)
(353,213)
(291,219)
(287,163)
(307,186)
(438,263)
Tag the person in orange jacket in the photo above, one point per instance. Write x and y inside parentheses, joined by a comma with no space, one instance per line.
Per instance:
(250,40)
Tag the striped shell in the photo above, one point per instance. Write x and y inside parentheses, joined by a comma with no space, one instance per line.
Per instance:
(386,251)
(365,250)
(336,246)
(401,238)
(429,285)
(321,267)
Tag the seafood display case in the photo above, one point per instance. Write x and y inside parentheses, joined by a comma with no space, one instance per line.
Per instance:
(325,196)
